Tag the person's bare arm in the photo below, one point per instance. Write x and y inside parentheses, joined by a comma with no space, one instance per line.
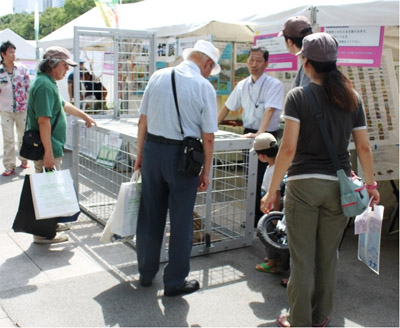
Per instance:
(75,111)
(364,153)
(141,138)
(45,136)
(208,147)
(70,91)
(222,114)
(286,153)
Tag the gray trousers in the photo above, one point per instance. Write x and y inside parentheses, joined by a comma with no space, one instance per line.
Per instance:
(315,225)
(164,188)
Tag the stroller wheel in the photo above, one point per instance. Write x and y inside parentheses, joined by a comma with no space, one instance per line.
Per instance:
(272,231)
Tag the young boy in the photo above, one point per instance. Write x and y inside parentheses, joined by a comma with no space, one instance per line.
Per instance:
(266,147)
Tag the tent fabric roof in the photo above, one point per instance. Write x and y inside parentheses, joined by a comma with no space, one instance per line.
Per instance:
(228,20)
(25,50)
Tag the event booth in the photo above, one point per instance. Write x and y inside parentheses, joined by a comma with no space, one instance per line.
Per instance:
(152,34)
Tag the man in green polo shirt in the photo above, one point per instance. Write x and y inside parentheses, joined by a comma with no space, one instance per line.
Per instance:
(44,105)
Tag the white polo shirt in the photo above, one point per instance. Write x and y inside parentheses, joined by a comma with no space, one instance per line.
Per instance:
(255,98)
(196,99)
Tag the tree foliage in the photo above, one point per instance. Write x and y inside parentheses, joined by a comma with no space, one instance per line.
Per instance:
(50,20)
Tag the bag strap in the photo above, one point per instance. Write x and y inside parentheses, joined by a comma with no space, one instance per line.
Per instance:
(176,100)
(322,127)
(55,121)
(52,126)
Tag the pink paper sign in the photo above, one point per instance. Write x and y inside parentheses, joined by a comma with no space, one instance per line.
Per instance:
(279,58)
(358,45)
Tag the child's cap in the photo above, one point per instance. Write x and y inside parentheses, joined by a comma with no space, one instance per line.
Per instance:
(264,141)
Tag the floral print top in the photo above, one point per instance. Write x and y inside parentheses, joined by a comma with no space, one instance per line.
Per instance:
(14,88)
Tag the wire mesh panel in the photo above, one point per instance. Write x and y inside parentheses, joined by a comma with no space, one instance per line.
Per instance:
(223,215)
(115,68)
(102,160)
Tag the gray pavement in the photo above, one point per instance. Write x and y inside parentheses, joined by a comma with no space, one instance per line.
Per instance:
(85,283)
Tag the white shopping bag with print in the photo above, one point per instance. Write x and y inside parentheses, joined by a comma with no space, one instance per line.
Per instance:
(53,194)
(369,242)
(123,220)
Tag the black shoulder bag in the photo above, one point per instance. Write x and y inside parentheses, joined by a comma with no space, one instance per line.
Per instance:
(191,160)
(32,147)
(353,193)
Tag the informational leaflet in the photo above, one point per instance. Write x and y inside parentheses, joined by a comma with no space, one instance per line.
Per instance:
(109,150)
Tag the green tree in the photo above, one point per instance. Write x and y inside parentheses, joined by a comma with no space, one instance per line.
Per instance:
(50,20)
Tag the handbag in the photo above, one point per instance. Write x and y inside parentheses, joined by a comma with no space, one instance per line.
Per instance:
(191,159)
(53,194)
(353,193)
(25,220)
(32,147)
(123,220)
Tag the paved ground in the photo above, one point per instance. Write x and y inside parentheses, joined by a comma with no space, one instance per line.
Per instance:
(84,283)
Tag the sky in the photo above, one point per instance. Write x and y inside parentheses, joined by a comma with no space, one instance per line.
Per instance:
(6,7)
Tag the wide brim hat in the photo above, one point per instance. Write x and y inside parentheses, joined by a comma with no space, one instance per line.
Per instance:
(59,53)
(208,49)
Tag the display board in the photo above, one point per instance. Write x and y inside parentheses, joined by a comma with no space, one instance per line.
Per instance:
(379,91)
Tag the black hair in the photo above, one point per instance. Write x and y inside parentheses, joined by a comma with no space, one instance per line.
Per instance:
(4,47)
(264,51)
(270,152)
(298,41)
(338,88)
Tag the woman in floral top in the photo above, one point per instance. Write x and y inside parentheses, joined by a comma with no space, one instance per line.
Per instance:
(14,87)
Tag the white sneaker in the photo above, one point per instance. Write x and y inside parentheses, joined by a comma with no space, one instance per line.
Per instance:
(62,227)
(59,238)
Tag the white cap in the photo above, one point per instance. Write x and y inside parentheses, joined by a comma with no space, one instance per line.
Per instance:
(208,49)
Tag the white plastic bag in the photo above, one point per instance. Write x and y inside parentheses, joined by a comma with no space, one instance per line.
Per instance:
(53,194)
(369,242)
(360,222)
(123,220)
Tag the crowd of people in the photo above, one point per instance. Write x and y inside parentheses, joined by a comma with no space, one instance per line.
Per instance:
(314,217)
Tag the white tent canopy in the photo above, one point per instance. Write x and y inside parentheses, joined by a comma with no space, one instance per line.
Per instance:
(228,20)
(25,50)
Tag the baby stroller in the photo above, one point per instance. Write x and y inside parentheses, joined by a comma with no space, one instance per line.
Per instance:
(271,229)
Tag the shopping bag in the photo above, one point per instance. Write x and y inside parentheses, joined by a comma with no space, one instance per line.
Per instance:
(123,220)
(360,222)
(369,242)
(25,220)
(53,194)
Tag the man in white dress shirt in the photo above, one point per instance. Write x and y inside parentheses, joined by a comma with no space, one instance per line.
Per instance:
(261,97)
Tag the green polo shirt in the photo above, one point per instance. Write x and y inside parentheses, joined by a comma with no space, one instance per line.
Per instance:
(45,100)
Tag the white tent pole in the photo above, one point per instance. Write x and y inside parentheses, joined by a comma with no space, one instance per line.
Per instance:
(37,30)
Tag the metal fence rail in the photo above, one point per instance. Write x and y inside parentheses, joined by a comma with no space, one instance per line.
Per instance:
(223,215)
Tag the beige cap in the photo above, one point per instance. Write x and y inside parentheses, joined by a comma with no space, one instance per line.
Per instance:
(59,53)
(264,141)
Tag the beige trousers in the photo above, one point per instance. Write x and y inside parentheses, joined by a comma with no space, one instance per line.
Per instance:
(8,120)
